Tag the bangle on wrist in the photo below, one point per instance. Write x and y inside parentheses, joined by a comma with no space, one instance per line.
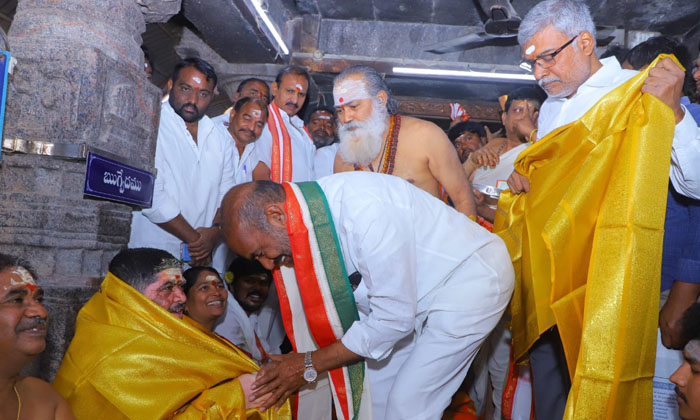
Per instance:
(530,139)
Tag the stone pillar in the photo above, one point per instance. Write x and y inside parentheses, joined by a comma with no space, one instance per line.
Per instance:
(79,79)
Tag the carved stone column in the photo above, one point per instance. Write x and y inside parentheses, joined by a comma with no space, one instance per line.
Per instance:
(79,80)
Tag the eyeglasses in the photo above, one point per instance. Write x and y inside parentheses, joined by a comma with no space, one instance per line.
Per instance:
(546,60)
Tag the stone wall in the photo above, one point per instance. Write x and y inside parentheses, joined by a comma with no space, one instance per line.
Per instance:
(79,79)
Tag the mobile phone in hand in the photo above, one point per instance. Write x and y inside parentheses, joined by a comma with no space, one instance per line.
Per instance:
(185,253)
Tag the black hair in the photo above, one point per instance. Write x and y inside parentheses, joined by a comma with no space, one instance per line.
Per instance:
(292,69)
(317,109)
(200,65)
(241,267)
(245,99)
(617,51)
(241,85)
(138,267)
(690,323)
(9,261)
(147,55)
(644,53)
(526,93)
(465,127)
(192,274)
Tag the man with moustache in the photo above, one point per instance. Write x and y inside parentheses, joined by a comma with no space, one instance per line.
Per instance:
(247,121)
(23,321)
(434,284)
(375,138)
(248,88)
(321,125)
(249,286)
(194,163)
(133,356)
(595,112)
(467,137)
(285,146)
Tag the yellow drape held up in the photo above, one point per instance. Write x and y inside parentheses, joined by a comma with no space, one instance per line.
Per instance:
(586,246)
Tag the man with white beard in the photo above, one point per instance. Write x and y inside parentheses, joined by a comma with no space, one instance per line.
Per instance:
(375,138)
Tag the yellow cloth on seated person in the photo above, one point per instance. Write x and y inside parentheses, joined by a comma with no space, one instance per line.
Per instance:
(132,359)
(586,246)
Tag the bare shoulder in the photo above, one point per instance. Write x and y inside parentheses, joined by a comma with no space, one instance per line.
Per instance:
(422,131)
(41,400)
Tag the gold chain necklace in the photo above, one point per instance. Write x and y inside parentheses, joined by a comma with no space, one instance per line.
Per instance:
(19,400)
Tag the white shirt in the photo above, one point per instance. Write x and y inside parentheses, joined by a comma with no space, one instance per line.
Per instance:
(406,244)
(244,165)
(241,329)
(303,149)
(685,152)
(324,160)
(192,179)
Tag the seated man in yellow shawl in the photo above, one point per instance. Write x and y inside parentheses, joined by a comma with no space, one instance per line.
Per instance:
(134,356)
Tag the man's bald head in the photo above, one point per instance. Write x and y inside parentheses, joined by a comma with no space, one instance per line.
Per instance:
(253,221)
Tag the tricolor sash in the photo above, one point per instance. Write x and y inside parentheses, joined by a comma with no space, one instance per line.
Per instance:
(281,161)
(316,299)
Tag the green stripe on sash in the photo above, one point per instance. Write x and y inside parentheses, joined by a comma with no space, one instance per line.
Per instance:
(334,266)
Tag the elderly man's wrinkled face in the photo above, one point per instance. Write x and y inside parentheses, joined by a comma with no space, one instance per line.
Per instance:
(270,247)
(570,67)
(22,315)
(206,299)
(322,128)
(687,380)
(167,292)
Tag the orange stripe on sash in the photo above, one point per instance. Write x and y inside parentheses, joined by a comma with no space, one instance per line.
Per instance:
(280,171)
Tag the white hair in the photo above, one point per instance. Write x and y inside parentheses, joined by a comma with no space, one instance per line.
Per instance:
(569,16)
(361,141)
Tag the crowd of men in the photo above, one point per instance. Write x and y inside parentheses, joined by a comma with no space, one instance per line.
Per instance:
(358,263)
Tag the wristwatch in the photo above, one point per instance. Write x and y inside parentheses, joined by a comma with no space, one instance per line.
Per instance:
(310,373)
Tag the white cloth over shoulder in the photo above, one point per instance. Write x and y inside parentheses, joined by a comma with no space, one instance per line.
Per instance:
(685,152)
(498,175)
(303,149)
(240,329)
(325,159)
(192,179)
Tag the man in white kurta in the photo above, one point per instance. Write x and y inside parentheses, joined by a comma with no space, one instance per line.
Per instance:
(192,177)
(289,90)
(434,285)
(685,154)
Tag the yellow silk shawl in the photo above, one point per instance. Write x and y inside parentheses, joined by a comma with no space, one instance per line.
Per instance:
(131,359)
(586,247)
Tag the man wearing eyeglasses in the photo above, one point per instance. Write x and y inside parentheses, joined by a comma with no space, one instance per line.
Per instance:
(585,255)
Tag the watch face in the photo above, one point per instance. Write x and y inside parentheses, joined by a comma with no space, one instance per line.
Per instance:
(310,374)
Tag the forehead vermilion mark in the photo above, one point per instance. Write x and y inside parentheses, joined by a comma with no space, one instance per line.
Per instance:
(214,283)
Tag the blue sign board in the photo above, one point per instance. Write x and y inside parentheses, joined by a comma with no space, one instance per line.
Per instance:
(115,181)
(4,66)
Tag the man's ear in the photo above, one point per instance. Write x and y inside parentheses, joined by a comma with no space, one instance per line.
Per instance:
(503,118)
(586,42)
(231,115)
(382,97)
(273,88)
(275,215)
(170,85)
